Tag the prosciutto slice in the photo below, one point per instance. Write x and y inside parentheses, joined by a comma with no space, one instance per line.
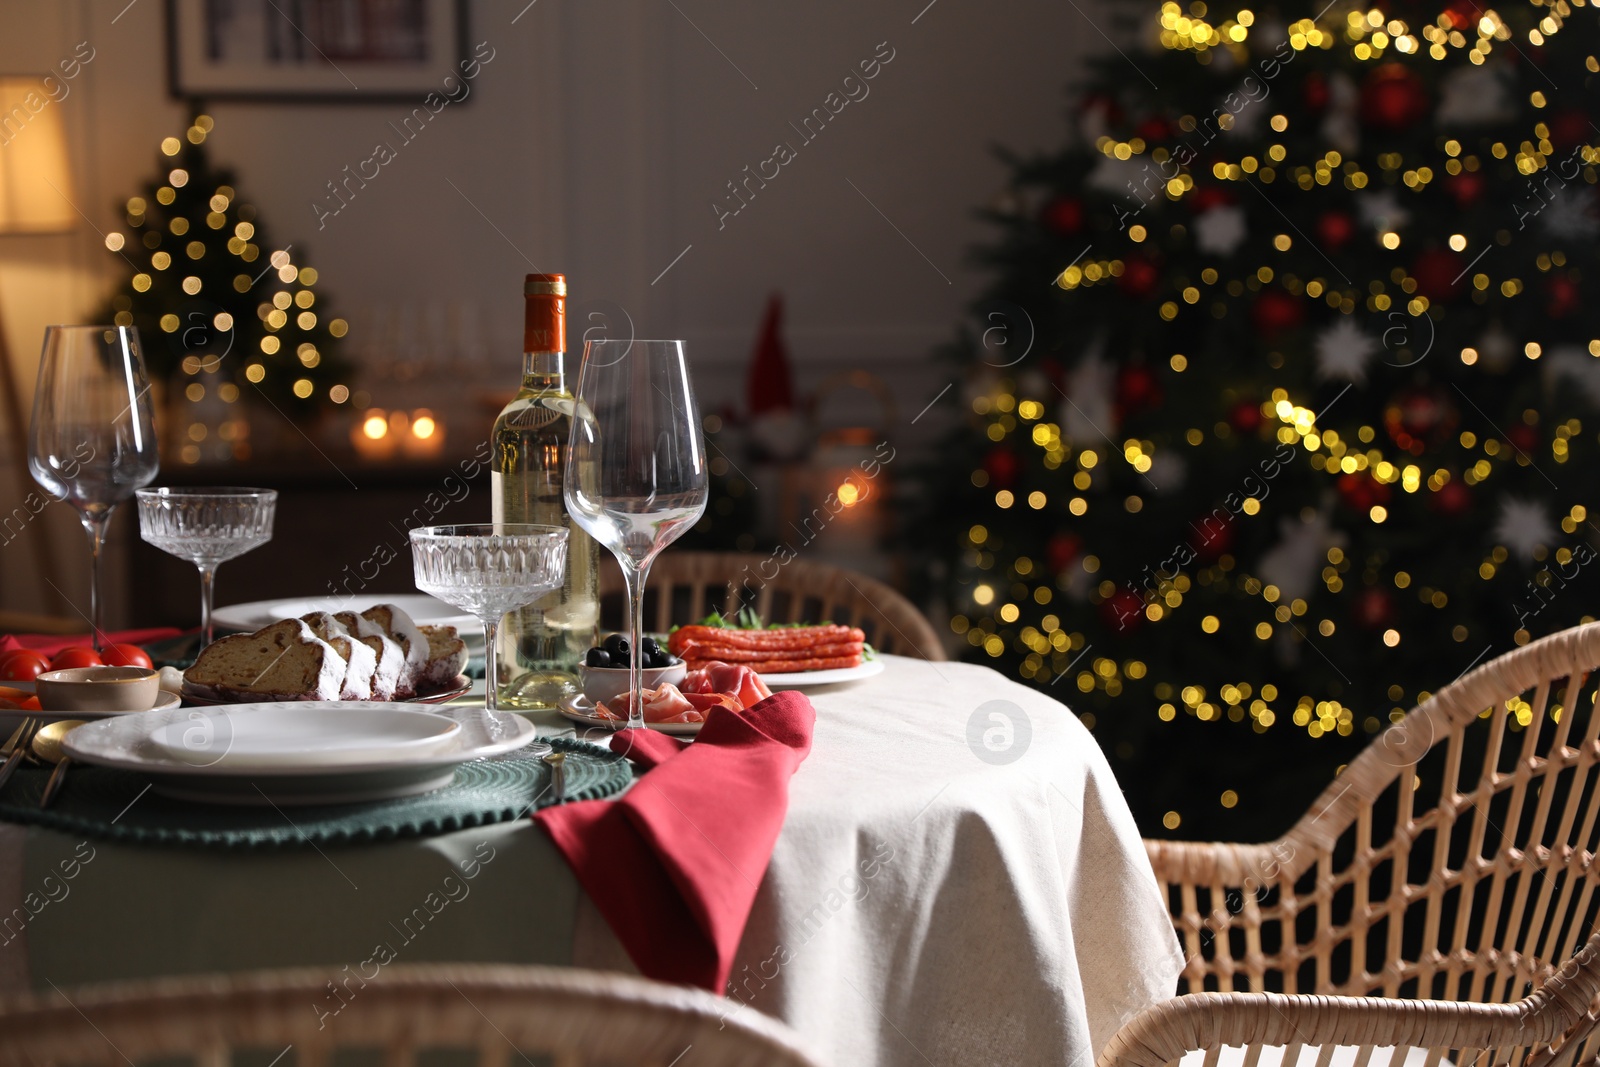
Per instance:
(737,680)
(664,704)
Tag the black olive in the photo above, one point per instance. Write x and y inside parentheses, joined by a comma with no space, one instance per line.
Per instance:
(597,657)
(617,645)
(649,646)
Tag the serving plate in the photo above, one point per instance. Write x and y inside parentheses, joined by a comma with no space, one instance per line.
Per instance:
(126,742)
(807,679)
(293,738)
(462,684)
(580,709)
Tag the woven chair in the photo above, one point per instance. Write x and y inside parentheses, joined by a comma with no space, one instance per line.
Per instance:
(499,1016)
(685,586)
(1452,864)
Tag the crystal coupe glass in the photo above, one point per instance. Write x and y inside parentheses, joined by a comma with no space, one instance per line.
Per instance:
(207,526)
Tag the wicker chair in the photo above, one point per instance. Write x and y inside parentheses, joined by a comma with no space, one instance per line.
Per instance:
(1452,864)
(690,585)
(501,1016)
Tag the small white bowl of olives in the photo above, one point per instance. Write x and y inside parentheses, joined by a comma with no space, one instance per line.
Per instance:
(604,671)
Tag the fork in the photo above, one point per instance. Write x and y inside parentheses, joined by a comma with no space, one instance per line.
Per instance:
(17,747)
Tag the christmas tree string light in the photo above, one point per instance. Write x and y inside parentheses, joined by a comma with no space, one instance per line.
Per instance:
(218,307)
(1310,419)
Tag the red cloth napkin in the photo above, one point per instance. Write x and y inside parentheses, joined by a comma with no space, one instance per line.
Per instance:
(674,863)
(50,644)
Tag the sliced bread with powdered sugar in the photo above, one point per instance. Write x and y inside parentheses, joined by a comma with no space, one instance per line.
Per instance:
(447,656)
(405,632)
(284,661)
(361,662)
(391,657)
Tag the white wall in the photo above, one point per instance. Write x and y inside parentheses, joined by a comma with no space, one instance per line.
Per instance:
(595,142)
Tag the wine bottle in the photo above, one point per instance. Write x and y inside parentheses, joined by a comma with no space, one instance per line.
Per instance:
(541,645)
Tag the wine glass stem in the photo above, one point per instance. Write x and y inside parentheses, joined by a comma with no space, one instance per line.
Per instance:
(208,574)
(491,665)
(634,578)
(95,524)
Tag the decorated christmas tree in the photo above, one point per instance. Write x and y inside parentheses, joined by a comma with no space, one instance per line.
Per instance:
(1282,407)
(218,306)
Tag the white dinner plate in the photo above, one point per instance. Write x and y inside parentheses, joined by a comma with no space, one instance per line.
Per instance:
(426,610)
(126,743)
(165,701)
(580,709)
(291,738)
(807,679)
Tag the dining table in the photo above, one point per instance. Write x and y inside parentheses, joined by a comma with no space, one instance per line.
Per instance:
(957,880)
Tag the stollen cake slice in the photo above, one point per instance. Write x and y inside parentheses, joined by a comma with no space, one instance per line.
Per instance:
(447,656)
(361,662)
(391,659)
(284,661)
(405,632)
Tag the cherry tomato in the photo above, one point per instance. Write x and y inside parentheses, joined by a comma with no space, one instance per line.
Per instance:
(125,656)
(22,665)
(76,657)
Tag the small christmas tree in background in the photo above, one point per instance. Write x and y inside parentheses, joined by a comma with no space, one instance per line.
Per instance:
(223,315)
(1308,424)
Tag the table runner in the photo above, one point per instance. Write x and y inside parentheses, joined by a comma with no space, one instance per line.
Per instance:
(109,804)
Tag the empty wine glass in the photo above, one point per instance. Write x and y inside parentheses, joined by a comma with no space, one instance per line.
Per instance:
(636,469)
(207,526)
(489,569)
(92,440)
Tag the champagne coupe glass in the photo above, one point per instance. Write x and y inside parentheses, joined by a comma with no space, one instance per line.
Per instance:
(636,468)
(489,569)
(92,440)
(206,526)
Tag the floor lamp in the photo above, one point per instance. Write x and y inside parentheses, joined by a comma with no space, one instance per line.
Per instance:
(35,198)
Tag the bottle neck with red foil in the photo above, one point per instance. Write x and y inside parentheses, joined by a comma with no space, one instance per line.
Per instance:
(544,334)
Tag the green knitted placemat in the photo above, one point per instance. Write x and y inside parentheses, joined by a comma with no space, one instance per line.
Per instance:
(113,804)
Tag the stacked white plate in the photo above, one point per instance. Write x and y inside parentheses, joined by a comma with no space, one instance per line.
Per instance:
(310,752)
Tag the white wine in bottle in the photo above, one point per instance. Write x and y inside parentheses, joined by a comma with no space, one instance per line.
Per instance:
(541,645)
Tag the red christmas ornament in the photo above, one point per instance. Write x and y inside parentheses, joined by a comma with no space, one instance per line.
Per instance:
(1335,228)
(1245,416)
(1420,417)
(1316,93)
(1139,277)
(1452,500)
(1393,98)
(1361,492)
(1104,102)
(1438,274)
(1153,130)
(1063,215)
(1207,197)
(1374,608)
(1569,128)
(1062,551)
(1212,536)
(1002,466)
(1276,312)
(1563,297)
(1137,388)
(1122,611)
(1465,188)
(1523,438)
(1463,13)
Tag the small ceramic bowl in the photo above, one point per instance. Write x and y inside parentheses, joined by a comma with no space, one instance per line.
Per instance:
(601,684)
(98,689)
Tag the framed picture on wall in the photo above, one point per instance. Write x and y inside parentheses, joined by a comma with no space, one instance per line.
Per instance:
(347,51)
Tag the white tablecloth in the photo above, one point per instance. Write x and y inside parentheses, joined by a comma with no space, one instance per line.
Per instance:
(958,882)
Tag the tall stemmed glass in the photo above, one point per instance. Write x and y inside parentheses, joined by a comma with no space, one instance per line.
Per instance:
(636,468)
(92,441)
(207,526)
(489,569)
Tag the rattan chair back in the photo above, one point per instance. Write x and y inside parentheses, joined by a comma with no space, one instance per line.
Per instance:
(487,1016)
(1453,858)
(1452,864)
(687,586)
